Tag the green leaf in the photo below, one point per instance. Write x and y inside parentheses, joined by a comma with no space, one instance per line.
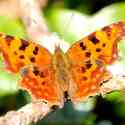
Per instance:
(12,27)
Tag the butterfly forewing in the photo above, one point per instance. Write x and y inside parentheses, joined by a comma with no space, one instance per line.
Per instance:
(35,64)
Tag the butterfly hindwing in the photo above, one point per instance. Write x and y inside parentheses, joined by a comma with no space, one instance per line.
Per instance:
(40,82)
(90,55)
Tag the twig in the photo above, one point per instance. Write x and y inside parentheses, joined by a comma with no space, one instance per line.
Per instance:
(115,83)
(32,18)
(26,115)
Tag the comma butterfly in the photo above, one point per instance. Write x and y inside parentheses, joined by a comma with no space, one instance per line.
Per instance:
(76,74)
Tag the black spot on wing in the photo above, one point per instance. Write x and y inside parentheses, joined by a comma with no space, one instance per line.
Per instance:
(98,50)
(43,83)
(35,51)
(15,53)
(42,74)
(32,59)
(84,78)
(107,30)
(8,39)
(83,70)
(104,44)
(36,71)
(93,39)
(87,54)
(83,47)
(88,64)
(21,56)
(24,44)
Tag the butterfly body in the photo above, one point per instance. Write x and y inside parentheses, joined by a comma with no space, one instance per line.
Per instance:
(61,66)
(76,74)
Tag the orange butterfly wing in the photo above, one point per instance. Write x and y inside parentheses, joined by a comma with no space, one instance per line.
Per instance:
(88,58)
(35,62)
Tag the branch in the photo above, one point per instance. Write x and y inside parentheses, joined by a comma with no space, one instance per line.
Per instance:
(115,83)
(28,114)
(32,18)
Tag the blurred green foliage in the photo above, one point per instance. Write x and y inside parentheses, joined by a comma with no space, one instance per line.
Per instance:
(72,20)
(12,27)
(73,25)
